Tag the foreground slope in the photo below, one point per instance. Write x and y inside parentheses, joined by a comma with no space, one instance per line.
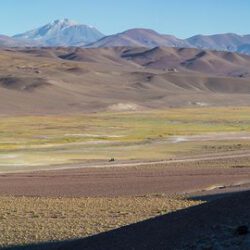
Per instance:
(212,225)
(66,80)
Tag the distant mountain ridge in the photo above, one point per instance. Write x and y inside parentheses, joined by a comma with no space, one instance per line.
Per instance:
(225,42)
(149,38)
(68,33)
(140,38)
(62,33)
(6,41)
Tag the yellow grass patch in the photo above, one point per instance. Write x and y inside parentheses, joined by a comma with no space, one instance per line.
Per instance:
(25,220)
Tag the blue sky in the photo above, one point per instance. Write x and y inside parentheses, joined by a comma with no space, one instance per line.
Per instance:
(182,18)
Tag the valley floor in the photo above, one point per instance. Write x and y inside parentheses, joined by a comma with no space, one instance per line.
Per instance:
(54,205)
(58,181)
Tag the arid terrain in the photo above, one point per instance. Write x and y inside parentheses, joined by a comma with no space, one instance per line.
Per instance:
(64,80)
(92,140)
(70,204)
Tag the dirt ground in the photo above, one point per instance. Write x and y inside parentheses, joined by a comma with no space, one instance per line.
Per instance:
(112,188)
(219,224)
(182,177)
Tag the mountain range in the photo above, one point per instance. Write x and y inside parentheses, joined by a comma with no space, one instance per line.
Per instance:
(67,33)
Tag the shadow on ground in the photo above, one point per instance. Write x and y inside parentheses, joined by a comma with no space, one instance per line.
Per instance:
(208,197)
(213,225)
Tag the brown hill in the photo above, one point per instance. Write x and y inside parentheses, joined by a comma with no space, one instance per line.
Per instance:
(66,80)
(210,62)
(149,38)
(139,38)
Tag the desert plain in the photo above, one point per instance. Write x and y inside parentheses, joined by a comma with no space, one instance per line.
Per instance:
(92,140)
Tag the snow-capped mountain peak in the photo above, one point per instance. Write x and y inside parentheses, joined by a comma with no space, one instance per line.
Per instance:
(64,21)
(63,32)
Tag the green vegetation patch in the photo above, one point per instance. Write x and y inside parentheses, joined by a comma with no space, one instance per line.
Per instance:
(34,141)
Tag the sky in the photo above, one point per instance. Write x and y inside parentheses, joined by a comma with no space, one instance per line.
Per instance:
(182,18)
